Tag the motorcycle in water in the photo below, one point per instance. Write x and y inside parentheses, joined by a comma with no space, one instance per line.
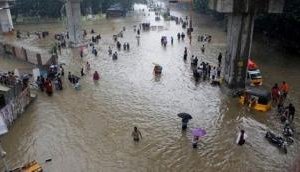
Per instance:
(288,133)
(277,141)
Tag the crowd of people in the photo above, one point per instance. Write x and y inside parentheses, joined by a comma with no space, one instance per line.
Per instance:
(279,95)
(204,70)
(54,74)
(40,35)
(8,78)
(43,85)
(74,80)
(204,38)
(180,36)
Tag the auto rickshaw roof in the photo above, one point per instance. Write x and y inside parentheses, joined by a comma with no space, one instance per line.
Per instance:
(254,71)
(257,91)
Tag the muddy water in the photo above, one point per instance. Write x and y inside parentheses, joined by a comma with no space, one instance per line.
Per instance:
(90,129)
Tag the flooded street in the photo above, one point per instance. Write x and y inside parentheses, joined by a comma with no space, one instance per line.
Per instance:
(90,130)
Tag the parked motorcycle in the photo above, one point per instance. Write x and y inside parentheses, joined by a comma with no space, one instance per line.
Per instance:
(277,141)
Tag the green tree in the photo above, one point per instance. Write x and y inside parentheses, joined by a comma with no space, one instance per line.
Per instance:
(52,8)
(43,8)
(201,5)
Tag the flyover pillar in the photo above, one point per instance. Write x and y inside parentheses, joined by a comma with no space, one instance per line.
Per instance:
(73,21)
(5,16)
(241,16)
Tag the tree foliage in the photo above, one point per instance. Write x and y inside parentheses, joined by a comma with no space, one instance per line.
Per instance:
(52,8)
(201,5)
(42,8)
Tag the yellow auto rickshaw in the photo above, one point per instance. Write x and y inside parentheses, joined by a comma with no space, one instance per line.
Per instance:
(33,166)
(256,98)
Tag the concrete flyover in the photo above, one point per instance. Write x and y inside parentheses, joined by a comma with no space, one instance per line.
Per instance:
(241,15)
(6,23)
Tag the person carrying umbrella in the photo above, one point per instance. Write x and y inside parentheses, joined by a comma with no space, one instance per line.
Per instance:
(185,119)
(195,141)
(197,133)
(184,123)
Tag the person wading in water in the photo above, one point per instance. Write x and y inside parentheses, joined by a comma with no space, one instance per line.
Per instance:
(241,139)
(136,134)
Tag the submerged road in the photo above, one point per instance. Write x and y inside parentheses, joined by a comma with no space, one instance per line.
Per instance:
(90,129)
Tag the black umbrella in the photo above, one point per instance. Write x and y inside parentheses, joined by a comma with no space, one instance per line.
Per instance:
(184,116)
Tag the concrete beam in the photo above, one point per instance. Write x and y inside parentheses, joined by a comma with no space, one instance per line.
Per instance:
(244,6)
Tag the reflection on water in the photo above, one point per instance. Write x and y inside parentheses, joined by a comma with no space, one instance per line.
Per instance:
(89,130)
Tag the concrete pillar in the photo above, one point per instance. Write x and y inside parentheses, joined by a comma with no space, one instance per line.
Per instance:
(239,39)
(5,17)
(73,21)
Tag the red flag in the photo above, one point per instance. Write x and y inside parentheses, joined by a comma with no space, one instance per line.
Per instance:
(251,64)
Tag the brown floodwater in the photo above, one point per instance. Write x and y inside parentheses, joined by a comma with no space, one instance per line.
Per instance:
(90,129)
